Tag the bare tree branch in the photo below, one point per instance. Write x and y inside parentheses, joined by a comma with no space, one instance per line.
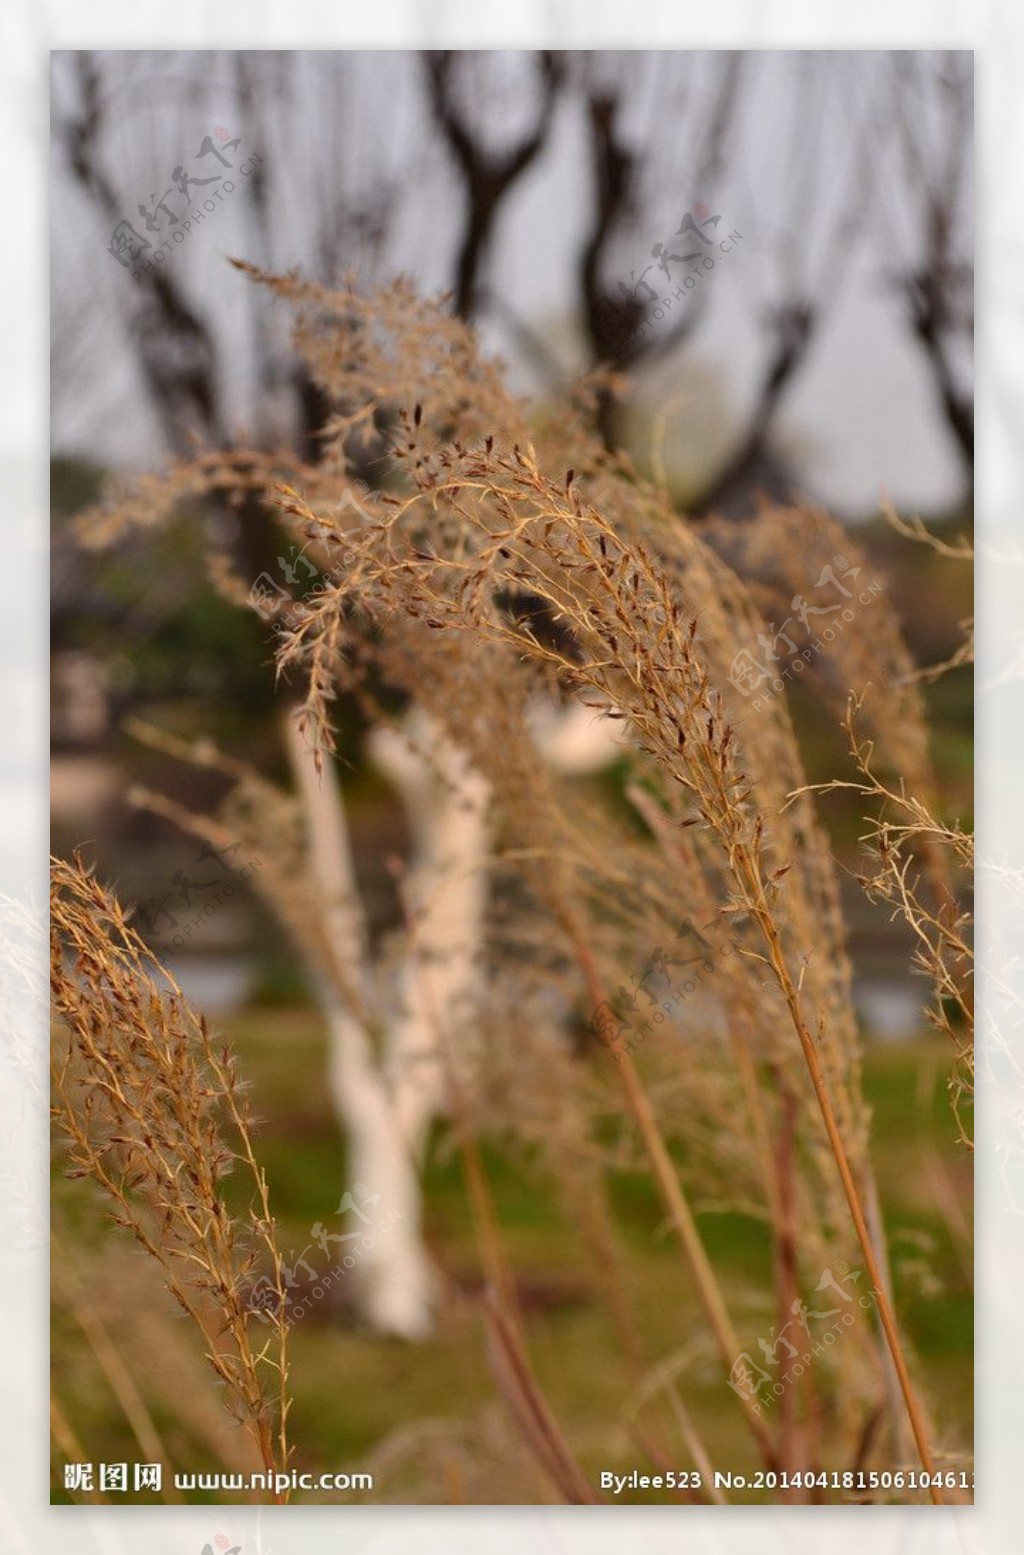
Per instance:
(486,176)
(174,344)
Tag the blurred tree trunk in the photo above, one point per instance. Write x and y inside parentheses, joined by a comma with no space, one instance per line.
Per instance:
(176,347)
(487,177)
(792,329)
(936,284)
(395,1281)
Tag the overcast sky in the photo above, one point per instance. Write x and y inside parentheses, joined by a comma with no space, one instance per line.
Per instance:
(862,413)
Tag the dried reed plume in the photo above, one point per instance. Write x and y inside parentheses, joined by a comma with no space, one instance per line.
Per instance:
(487,524)
(919,859)
(505,558)
(153,1114)
(901,834)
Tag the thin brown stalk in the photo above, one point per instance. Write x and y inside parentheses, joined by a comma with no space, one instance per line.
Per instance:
(509,1356)
(530,1409)
(66,1439)
(667,1179)
(886,1316)
(108,1356)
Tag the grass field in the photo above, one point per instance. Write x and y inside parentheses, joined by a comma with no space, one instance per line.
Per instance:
(428,1420)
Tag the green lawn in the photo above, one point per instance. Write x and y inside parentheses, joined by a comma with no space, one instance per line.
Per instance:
(352,1390)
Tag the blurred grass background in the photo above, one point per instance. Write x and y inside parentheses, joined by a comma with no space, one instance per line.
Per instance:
(428,1419)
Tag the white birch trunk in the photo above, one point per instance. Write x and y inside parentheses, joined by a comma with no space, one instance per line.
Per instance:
(575,739)
(431,1034)
(395,1281)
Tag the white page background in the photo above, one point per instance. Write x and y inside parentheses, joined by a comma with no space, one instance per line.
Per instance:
(996,31)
